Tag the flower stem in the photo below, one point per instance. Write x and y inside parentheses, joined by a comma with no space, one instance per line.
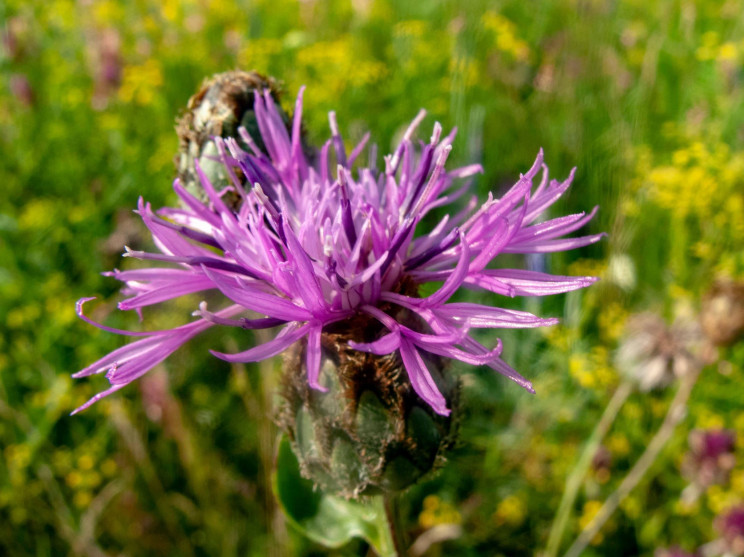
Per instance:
(392,515)
(674,415)
(573,483)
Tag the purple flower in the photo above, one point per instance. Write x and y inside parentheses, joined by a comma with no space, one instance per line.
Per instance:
(731,527)
(316,243)
(710,458)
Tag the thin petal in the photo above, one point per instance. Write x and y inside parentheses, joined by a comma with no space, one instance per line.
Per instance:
(421,379)
(477,315)
(286,337)
(313,358)
(384,345)
(254,299)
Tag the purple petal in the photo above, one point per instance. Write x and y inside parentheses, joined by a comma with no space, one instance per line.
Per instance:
(167,290)
(79,311)
(457,354)
(453,281)
(534,283)
(499,365)
(286,338)
(307,282)
(549,246)
(384,345)
(480,316)
(421,379)
(313,358)
(250,297)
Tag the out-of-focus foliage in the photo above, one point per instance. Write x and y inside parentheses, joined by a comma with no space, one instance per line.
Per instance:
(645,98)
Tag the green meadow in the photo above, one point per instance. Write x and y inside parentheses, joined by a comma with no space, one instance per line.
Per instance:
(645,98)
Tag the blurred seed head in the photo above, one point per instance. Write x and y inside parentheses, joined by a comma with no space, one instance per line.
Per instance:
(654,355)
(722,313)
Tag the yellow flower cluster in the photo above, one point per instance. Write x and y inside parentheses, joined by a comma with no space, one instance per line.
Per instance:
(590,510)
(593,369)
(108,12)
(410,28)
(588,268)
(511,511)
(611,321)
(437,512)
(318,58)
(258,53)
(505,36)
(618,444)
(140,83)
(702,180)
(712,48)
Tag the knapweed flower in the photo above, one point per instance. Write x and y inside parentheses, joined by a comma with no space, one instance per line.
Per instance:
(332,253)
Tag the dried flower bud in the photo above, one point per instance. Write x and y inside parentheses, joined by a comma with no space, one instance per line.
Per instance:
(653,354)
(722,313)
(223,104)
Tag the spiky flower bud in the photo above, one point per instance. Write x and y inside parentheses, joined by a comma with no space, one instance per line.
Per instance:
(369,432)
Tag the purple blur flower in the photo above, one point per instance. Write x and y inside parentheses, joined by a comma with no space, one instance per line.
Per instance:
(311,244)
(731,526)
(710,458)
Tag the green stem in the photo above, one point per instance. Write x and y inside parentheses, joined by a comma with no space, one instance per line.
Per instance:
(674,415)
(575,479)
(392,515)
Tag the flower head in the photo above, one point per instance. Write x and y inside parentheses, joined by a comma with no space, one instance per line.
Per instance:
(315,241)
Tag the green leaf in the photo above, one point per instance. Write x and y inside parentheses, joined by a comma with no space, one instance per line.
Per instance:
(328,520)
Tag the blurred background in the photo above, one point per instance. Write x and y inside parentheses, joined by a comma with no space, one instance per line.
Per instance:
(644,98)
